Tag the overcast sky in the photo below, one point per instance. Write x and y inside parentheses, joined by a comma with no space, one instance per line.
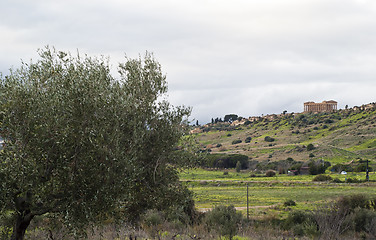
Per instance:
(248,57)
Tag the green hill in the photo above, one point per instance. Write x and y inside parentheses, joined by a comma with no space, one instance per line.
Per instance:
(339,137)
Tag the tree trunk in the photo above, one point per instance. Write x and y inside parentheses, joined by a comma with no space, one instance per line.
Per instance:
(23,221)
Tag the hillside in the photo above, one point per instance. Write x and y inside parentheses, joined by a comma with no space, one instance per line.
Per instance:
(339,137)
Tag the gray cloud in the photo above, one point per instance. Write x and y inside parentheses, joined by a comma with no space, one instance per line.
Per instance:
(244,57)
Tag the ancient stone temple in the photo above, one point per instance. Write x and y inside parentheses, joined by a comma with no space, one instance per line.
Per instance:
(325,106)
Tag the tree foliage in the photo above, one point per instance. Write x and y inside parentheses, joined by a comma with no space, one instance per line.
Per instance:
(82,145)
(225,220)
(225,161)
(230,117)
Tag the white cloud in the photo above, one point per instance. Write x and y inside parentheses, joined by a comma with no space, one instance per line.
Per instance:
(244,57)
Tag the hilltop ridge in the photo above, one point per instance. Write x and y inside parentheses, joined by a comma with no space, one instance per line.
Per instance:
(339,136)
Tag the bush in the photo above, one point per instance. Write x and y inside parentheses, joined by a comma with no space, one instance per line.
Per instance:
(269,139)
(310,147)
(362,219)
(322,178)
(270,173)
(362,168)
(353,180)
(289,203)
(224,220)
(296,221)
(349,203)
(236,141)
(337,180)
(248,140)
(152,221)
(341,167)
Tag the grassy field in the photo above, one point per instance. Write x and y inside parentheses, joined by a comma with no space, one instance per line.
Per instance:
(267,195)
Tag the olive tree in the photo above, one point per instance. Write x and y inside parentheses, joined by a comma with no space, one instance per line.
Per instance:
(81,145)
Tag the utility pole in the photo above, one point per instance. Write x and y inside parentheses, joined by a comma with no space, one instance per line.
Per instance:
(247,203)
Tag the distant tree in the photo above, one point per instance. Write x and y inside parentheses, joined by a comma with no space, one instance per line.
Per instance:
(238,166)
(318,167)
(220,164)
(82,146)
(230,117)
(197,123)
(212,120)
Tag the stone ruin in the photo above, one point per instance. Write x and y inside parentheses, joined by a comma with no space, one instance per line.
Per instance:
(325,106)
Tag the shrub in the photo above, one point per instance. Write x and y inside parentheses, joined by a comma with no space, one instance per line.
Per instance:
(310,147)
(362,219)
(236,141)
(337,180)
(270,173)
(349,203)
(269,139)
(224,220)
(152,221)
(289,203)
(298,218)
(219,145)
(362,168)
(311,155)
(248,140)
(341,167)
(225,173)
(152,218)
(353,180)
(322,178)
